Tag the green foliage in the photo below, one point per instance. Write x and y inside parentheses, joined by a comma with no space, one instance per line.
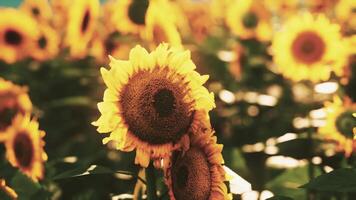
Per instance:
(340,180)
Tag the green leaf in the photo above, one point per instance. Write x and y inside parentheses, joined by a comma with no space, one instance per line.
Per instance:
(24,186)
(340,180)
(279,198)
(288,183)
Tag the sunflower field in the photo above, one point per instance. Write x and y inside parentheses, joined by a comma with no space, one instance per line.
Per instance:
(178,99)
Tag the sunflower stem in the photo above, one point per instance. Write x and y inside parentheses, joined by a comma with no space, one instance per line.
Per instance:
(151,183)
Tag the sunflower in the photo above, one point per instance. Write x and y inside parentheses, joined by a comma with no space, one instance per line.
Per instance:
(321,6)
(47,45)
(24,147)
(14,101)
(282,7)
(6,189)
(199,18)
(160,24)
(60,13)
(130,15)
(345,13)
(18,32)
(80,28)
(152,100)
(309,48)
(38,9)
(108,44)
(249,19)
(197,173)
(340,124)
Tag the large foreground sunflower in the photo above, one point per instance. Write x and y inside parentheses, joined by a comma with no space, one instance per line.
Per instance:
(38,9)
(198,173)
(18,33)
(82,17)
(24,147)
(340,124)
(249,19)
(152,100)
(309,48)
(14,101)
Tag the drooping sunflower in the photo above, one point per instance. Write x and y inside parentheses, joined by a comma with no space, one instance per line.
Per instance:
(14,102)
(197,173)
(18,32)
(152,100)
(38,9)
(82,15)
(340,124)
(47,45)
(7,190)
(24,147)
(309,48)
(249,19)
(345,14)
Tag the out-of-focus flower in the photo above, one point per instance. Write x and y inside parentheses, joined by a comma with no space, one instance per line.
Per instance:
(18,33)
(345,14)
(47,45)
(320,6)
(83,15)
(249,19)
(24,147)
(14,102)
(198,172)
(283,8)
(309,48)
(199,18)
(38,9)
(152,101)
(103,45)
(130,15)
(339,124)
(160,24)
(8,190)
(60,14)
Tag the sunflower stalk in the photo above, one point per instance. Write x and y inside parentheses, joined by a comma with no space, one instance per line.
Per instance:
(151,183)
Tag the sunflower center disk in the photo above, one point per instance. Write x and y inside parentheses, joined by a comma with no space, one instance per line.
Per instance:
(345,122)
(137,11)
(164,102)
(250,20)
(85,21)
(155,107)
(42,42)
(23,149)
(35,11)
(191,177)
(13,37)
(308,47)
